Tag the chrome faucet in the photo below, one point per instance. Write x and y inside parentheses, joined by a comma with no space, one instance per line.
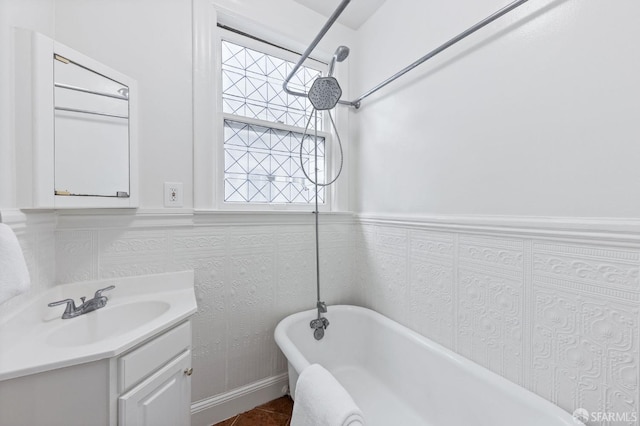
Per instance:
(320,325)
(72,311)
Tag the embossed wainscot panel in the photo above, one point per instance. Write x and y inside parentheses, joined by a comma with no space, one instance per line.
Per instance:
(363,274)
(585,351)
(209,324)
(198,240)
(45,259)
(335,235)
(126,253)
(251,319)
(390,286)
(392,240)
(76,256)
(490,316)
(296,281)
(618,269)
(134,267)
(252,238)
(426,245)
(496,252)
(126,243)
(335,275)
(295,238)
(365,235)
(431,300)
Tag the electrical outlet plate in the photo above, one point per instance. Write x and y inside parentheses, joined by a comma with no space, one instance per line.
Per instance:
(173,194)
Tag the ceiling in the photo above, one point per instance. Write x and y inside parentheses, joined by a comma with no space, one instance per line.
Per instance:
(356,13)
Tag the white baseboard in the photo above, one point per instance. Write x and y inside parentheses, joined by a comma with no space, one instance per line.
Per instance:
(220,407)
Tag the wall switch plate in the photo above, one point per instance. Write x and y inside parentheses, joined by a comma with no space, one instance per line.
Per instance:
(173,194)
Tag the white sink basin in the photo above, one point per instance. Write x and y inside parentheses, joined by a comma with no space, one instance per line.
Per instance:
(105,323)
(34,338)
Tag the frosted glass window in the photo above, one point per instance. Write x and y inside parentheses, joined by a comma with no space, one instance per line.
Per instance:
(262,165)
(252,86)
(263,127)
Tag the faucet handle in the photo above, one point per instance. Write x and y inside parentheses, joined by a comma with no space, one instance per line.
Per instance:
(99,292)
(71,305)
(60,302)
(325,322)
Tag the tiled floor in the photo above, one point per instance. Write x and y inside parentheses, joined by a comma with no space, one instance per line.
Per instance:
(274,413)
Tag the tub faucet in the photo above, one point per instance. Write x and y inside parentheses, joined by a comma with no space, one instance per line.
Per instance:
(72,311)
(320,324)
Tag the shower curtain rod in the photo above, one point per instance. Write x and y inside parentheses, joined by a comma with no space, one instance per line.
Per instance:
(356,102)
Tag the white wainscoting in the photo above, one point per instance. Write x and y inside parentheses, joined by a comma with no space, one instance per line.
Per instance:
(35,232)
(552,305)
(251,270)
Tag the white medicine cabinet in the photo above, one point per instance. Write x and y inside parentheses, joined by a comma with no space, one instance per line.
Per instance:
(76,128)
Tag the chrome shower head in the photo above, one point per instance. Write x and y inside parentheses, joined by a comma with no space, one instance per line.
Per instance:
(340,55)
(325,93)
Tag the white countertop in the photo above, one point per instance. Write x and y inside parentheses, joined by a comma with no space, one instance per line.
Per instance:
(30,335)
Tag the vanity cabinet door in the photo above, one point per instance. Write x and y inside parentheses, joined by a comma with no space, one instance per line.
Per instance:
(162,399)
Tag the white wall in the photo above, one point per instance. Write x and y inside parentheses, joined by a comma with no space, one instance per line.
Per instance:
(151,42)
(32,14)
(534,115)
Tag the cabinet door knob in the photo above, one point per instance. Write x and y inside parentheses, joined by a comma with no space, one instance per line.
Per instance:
(188,371)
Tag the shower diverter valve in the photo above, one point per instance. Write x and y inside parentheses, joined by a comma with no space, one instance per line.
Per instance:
(325,93)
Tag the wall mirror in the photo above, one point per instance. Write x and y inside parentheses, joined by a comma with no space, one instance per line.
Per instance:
(91,123)
(79,125)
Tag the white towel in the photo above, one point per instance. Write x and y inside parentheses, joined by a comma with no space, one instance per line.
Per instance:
(14,276)
(322,401)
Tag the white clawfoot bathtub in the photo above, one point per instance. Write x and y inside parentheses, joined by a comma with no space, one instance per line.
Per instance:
(398,377)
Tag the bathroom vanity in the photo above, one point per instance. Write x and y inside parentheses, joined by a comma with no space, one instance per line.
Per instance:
(128,363)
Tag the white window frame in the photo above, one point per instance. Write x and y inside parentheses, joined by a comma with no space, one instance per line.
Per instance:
(208,115)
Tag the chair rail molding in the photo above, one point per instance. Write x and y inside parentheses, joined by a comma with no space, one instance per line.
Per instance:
(593,230)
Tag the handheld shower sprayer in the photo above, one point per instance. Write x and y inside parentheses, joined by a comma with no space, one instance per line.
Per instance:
(325,91)
(340,55)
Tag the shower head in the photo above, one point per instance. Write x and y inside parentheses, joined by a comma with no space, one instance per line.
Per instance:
(340,55)
(325,93)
